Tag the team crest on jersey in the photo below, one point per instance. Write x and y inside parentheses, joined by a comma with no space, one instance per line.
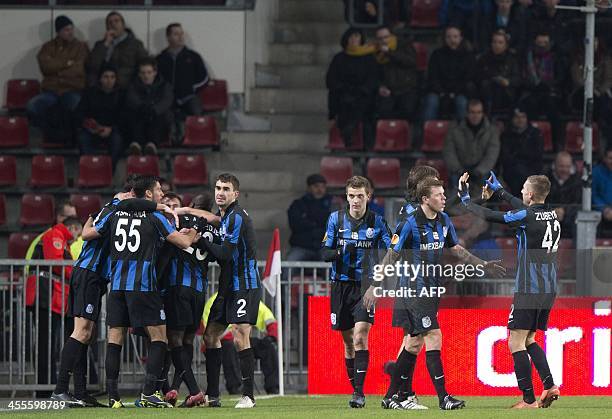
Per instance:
(355,235)
(436,236)
(162,314)
(333,319)
(444,231)
(395,239)
(426,321)
(89,309)
(370,233)
(58,244)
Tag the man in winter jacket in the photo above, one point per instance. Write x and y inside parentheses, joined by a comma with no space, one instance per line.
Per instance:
(565,192)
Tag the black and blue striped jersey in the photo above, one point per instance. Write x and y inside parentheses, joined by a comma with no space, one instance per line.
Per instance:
(134,241)
(237,231)
(421,242)
(95,253)
(361,242)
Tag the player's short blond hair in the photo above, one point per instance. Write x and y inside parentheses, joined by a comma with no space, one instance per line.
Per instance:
(540,185)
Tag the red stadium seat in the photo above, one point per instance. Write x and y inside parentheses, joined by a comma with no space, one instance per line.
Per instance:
(336,142)
(190,170)
(214,96)
(508,247)
(545,129)
(2,209)
(437,164)
(47,172)
(95,172)
(392,135)
(434,134)
(421,55)
(37,209)
(86,205)
(336,170)
(14,131)
(384,173)
(201,131)
(603,242)
(19,92)
(574,140)
(424,13)
(8,170)
(18,244)
(143,165)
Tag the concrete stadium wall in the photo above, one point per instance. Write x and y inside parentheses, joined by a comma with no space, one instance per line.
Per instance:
(219,35)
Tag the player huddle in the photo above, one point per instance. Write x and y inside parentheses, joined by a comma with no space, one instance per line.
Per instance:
(356,238)
(155,254)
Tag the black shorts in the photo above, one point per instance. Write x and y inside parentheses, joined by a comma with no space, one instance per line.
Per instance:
(184,307)
(347,305)
(416,315)
(134,309)
(236,307)
(86,291)
(530,312)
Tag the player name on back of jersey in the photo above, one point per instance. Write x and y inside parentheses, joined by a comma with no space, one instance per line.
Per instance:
(545,215)
(135,214)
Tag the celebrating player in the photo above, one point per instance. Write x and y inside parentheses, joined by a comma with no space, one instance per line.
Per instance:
(351,242)
(237,302)
(422,237)
(537,233)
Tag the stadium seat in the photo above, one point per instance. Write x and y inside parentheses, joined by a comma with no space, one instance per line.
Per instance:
(336,170)
(19,92)
(86,205)
(603,242)
(214,96)
(8,170)
(190,170)
(434,134)
(143,165)
(384,173)
(574,140)
(14,131)
(437,164)
(508,247)
(95,172)
(545,129)
(421,56)
(18,244)
(566,258)
(37,209)
(424,13)
(392,135)
(336,142)
(2,209)
(201,131)
(47,172)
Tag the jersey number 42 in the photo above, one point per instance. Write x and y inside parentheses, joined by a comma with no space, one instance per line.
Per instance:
(547,242)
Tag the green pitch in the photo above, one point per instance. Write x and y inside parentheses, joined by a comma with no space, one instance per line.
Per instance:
(331,407)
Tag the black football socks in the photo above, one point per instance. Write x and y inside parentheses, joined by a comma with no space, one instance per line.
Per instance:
(362,360)
(538,356)
(113,359)
(522,369)
(80,374)
(405,363)
(247,369)
(71,353)
(436,373)
(213,370)
(155,366)
(350,370)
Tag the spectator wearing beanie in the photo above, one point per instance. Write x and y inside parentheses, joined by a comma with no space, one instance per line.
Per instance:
(62,64)
(99,116)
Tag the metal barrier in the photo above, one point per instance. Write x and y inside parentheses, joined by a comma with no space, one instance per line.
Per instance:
(21,357)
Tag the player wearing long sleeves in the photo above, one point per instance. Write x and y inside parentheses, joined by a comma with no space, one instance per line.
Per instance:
(352,242)
(537,232)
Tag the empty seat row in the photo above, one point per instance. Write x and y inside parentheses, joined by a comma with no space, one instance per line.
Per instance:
(214,95)
(391,135)
(96,171)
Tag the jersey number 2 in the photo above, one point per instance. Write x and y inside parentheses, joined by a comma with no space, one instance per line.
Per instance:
(547,242)
(241,307)
(123,235)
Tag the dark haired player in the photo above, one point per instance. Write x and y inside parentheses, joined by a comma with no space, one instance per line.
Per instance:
(537,232)
(352,240)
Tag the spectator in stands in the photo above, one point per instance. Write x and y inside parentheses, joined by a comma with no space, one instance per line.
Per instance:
(63,211)
(184,69)
(512,17)
(366,11)
(149,104)
(472,146)
(62,64)
(556,22)
(450,76)
(602,192)
(119,48)
(522,147)
(470,15)
(99,116)
(397,93)
(498,74)
(565,192)
(352,79)
(307,220)
(545,79)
